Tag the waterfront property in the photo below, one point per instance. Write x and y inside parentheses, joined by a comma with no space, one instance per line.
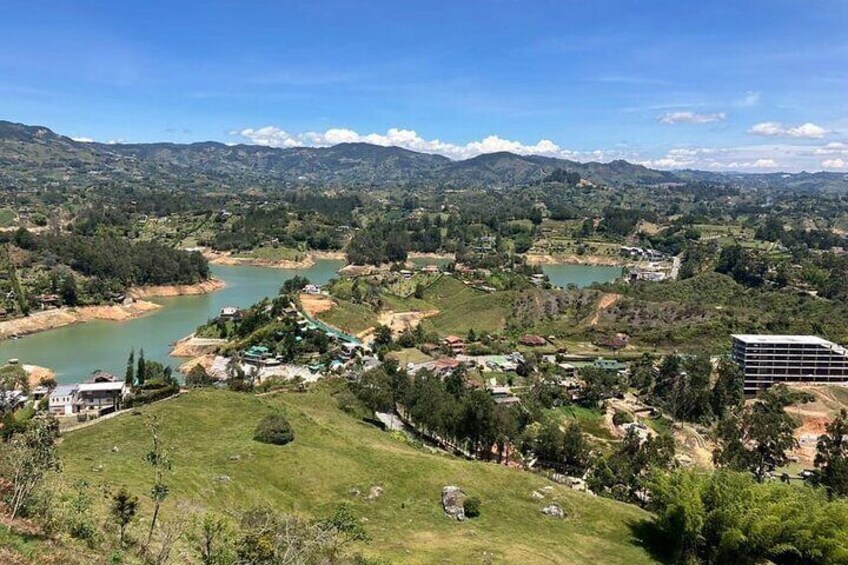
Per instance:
(769,359)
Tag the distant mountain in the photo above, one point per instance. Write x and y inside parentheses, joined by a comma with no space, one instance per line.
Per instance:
(35,156)
(821,181)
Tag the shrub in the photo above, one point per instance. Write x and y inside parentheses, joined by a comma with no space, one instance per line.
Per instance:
(620,418)
(275,429)
(472,507)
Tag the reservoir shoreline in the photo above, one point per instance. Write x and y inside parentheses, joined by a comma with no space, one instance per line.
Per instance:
(46,320)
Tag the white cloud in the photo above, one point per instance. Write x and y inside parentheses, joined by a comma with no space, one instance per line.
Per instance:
(409,139)
(807,131)
(83,139)
(833,148)
(835,164)
(690,118)
(790,157)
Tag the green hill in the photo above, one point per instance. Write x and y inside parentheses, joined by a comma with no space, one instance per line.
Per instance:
(336,457)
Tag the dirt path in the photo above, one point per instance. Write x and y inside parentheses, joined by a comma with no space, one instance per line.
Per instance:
(402,321)
(607,299)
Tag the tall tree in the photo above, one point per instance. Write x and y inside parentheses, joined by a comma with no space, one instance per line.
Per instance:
(832,456)
(26,460)
(129,374)
(141,371)
(159,459)
(757,437)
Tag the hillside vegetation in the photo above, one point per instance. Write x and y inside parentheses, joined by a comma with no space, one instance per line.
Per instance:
(336,458)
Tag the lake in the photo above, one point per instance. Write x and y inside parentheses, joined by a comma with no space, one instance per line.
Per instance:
(74,352)
(580,275)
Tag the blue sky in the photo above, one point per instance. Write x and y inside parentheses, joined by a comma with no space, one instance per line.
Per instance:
(757,85)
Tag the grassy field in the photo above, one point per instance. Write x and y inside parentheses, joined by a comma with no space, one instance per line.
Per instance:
(273,254)
(350,317)
(209,436)
(464,308)
(8,217)
(409,355)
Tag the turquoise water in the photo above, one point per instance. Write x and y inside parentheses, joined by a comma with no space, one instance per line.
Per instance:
(74,352)
(580,275)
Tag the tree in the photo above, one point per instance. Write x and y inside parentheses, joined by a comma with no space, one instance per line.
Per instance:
(159,459)
(26,460)
(129,374)
(728,391)
(832,456)
(375,390)
(123,509)
(756,437)
(141,371)
(294,285)
(598,384)
(274,429)
(69,290)
(383,335)
(198,376)
(575,449)
(212,543)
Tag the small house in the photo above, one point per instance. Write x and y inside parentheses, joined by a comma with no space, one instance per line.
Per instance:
(62,400)
(312,289)
(48,301)
(100,396)
(455,343)
(228,313)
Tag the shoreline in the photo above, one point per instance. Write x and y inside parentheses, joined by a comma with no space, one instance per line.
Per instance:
(135,307)
(225,258)
(166,291)
(586,261)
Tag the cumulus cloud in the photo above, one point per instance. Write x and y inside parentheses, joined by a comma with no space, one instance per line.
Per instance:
(807,131)
(690,118)
(835,164)
(833,148)
(409,139)
(83,139)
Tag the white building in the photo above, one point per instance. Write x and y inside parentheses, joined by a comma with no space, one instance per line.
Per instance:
(63,400)
(769,359)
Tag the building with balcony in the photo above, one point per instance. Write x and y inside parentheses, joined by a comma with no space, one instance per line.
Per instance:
(769,359)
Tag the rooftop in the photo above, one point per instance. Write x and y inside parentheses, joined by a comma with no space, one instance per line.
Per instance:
(778,339)
(91,387)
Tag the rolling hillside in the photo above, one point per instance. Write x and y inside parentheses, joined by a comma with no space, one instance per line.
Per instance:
(336,457)
(34,156)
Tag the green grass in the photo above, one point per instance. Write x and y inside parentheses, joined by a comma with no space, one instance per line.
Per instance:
(400,304)
(463,308)
(272,254)
(350,317)
(334,453)
(591,420)
(409,355)
(8,217)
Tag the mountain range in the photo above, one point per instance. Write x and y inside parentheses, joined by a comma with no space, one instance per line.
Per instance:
(33,156)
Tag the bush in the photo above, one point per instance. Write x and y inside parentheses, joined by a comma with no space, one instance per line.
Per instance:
(472,507)
(620,418)
(274,429)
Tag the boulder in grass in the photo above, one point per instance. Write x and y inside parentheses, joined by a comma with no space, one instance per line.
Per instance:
(453,501)
(554,510)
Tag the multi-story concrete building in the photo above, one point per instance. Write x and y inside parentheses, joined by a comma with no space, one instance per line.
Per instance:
(771,359)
